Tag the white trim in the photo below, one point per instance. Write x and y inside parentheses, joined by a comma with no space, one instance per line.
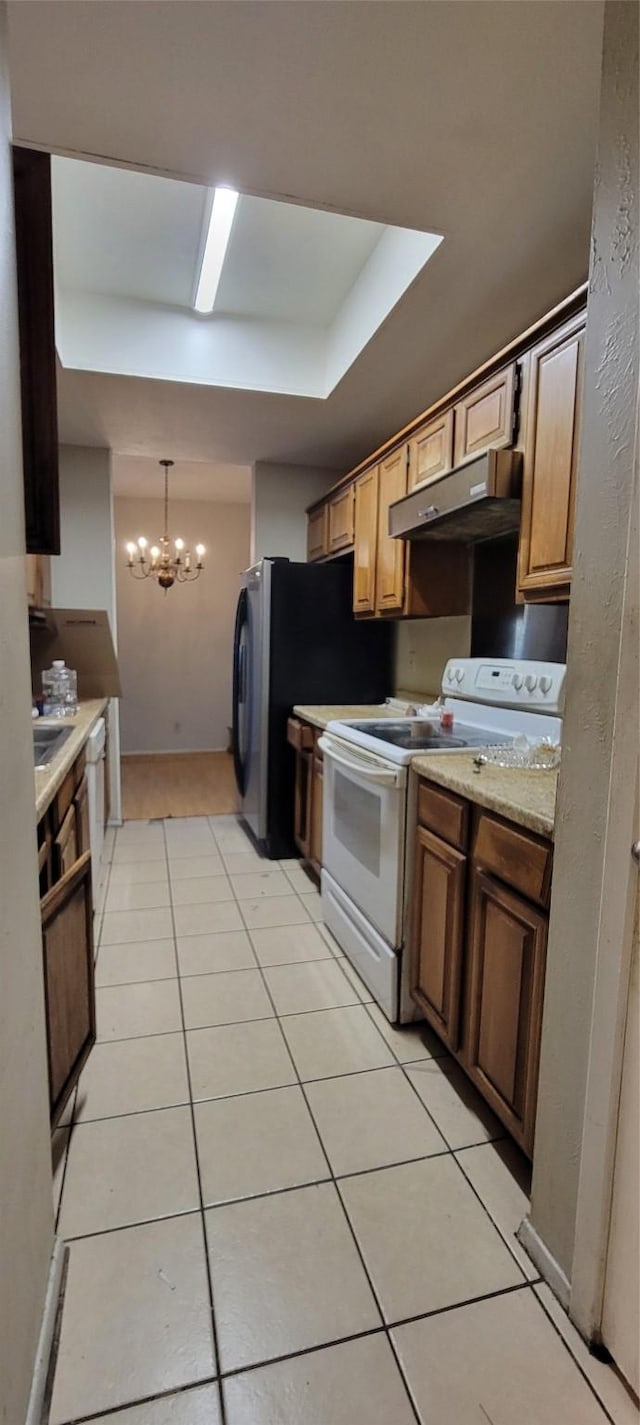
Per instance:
(37,1398)
(545,1262)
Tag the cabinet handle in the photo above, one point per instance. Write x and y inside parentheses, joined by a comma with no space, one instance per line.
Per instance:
(635,850)
(428,513)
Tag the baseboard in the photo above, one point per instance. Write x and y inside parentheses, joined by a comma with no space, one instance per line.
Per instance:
(547,1266)
(38,1402)
(176,752)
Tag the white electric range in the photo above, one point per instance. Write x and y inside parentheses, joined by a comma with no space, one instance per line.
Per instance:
(366,862)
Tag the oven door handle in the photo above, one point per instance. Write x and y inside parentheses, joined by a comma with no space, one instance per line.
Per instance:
(382,776)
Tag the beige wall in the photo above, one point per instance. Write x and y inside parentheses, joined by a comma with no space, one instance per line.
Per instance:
(280,495)
(422,648)
(175,649)
(83,574)
(596,791)
(26,1212)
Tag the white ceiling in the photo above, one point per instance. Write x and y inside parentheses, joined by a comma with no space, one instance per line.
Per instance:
(293,264)
(475,119)
(140,477)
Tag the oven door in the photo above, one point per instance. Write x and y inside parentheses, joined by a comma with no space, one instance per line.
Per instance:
(363,832)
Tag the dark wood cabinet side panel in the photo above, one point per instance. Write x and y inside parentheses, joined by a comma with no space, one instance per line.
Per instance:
(34,261)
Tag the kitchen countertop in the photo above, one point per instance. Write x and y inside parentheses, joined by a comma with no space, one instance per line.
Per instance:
(528,798)
(50,778)
(320,714)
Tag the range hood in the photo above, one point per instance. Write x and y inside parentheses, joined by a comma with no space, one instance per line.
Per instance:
(478,500)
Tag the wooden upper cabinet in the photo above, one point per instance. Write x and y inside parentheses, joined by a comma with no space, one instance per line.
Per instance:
(34,267)
(485,417)
(390,558)
(437,933)
(505,985)
(550,462)
(366,535)
(431,450)
(317,533)
(341,516)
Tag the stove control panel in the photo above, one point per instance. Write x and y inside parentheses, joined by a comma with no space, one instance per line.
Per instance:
(506,682)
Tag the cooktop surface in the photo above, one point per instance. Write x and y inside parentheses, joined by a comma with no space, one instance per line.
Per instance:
(417,735)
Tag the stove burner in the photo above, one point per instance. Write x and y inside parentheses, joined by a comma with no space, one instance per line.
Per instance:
(418,735)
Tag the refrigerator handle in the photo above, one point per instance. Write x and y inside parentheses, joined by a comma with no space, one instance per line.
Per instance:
(239,689)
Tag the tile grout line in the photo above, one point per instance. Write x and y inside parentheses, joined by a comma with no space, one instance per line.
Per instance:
(203,1224)
(383,1329)
(567,1347)
(453,1150)
(345,1214)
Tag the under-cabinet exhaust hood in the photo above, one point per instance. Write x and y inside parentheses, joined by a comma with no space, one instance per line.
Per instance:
(478,500)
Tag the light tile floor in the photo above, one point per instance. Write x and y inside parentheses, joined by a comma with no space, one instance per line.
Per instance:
(281,1210)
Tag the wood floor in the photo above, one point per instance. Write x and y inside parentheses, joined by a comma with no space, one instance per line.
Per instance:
(177,784)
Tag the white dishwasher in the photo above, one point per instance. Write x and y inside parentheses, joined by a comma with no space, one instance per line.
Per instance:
(95,754)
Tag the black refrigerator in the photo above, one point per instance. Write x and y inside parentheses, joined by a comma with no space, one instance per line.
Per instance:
(295,641)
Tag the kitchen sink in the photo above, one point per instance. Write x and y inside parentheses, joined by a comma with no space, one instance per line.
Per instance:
(47,741)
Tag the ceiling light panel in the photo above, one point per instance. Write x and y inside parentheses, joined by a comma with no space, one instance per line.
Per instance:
(221,216)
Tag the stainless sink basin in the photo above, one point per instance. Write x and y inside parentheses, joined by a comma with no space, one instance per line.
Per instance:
(47,741)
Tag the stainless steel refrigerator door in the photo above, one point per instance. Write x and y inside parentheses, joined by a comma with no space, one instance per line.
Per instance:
(257,582)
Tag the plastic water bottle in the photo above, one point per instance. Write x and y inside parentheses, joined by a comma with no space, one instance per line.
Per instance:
(60,690)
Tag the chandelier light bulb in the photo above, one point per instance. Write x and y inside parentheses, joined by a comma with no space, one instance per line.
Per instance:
(179,543)
(199,550)
(155,552)
(142,543)
(131,549)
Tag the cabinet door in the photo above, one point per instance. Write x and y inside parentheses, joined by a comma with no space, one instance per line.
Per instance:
(485,418)
(551,462)
(437,933)
(341,521)
(34,264)
(66,844)
(317,523)
(81,804)
(67,945)
(366,533)
(390,559)
(431,450)
(506,965)
(317,792)
(302,802)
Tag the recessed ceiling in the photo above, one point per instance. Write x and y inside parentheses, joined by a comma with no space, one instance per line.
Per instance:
(139,477)
(464,119)
(301,293)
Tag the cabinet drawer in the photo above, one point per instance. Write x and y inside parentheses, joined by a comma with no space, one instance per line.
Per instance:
(67,791)
(445,813)
(515,857)
(300,734)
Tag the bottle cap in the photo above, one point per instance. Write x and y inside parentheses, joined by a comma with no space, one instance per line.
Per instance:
(58,663)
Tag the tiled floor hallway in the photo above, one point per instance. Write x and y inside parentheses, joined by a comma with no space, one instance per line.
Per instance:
(280,1210)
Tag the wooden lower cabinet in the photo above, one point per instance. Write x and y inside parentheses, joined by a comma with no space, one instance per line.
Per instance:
(309,787)
(67,946)
(439,921)
(506,963)
(317,793)
(478,947)
(64,865)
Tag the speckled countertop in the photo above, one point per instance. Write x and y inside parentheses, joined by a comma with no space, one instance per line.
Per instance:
(528,798)
(50,779)
(322,713)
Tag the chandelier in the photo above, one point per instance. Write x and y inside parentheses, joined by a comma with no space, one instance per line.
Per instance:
(166,565)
